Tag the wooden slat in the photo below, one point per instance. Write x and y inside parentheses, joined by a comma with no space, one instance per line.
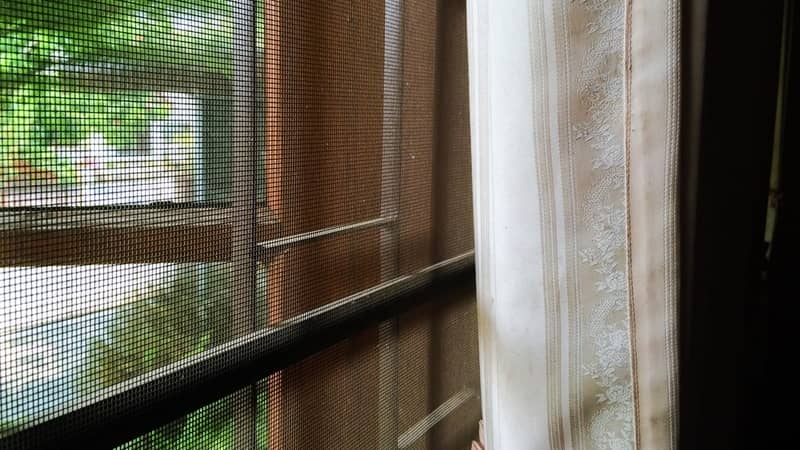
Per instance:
(40,238)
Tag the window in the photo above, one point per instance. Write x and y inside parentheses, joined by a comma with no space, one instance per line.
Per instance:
(186,180)
(117,190)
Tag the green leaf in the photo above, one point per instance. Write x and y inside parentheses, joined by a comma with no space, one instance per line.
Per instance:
(40,39)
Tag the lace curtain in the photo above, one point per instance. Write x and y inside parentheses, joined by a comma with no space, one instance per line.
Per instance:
(574,128)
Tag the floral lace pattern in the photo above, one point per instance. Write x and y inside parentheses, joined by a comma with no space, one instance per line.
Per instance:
(601,93)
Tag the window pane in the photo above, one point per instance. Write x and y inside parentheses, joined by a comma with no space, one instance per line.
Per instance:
(156,159)
(116,102)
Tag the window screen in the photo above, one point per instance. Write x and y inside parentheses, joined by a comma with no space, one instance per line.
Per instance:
(189,188)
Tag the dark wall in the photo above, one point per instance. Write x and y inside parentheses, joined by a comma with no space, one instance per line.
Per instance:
(726,167)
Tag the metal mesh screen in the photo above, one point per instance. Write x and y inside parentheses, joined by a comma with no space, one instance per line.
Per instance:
(180,178)
(335,403)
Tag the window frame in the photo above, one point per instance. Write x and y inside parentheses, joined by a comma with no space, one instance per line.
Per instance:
(125,234)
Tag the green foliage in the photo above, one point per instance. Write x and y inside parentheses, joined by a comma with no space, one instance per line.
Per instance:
(181,318)
(8,428)
(152,331)
(211,427)
(187,315)
(42,117)
(44,42)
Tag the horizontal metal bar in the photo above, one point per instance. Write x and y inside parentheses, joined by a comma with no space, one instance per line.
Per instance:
(277,245)
(416,431)
(140,405)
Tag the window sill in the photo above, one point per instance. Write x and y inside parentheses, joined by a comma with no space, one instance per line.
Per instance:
(71,236)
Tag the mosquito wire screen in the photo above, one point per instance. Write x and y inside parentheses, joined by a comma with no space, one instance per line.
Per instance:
(180,178)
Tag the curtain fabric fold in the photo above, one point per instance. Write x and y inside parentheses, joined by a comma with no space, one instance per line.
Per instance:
(575,128)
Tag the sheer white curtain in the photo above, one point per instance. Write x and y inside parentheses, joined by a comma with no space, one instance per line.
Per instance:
(575,119)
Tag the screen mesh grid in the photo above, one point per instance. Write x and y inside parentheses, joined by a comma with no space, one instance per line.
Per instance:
(176,175)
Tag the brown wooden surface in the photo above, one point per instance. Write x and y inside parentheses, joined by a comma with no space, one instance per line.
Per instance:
(416,213)
(273,168)
(454,338)
(331,110)
(452,205)
(331,128)
(120,237)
